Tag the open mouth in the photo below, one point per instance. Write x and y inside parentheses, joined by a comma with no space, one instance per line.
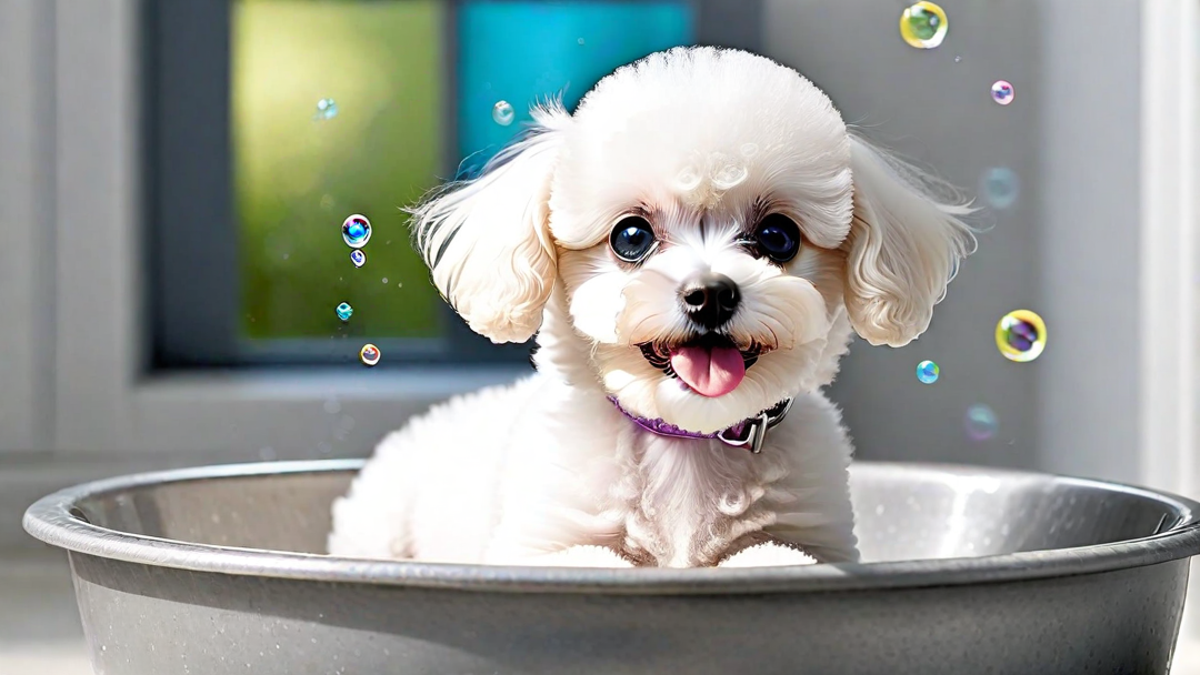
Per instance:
(710,365)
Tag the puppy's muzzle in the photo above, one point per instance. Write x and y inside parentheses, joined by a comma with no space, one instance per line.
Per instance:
(710,299)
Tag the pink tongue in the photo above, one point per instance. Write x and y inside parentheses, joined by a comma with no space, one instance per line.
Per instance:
(709,371)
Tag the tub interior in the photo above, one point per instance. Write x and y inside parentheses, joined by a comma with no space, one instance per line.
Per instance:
(903,513)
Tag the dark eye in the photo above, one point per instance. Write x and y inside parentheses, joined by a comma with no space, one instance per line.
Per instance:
(632,239)
(778,237)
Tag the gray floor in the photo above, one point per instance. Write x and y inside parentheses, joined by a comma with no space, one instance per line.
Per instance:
(39,627)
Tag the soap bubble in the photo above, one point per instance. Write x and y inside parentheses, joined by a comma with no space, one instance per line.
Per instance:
(358,257)
(927,372)
(923,25)
(981,422)
(369,354)
(999,187)
(1021,335)
(327,109)
(1002,92)
(344,311)
(729,176)
(688,179)
(503,113)
(356,231)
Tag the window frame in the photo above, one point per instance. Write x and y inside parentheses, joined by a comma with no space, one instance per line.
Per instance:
(108,398)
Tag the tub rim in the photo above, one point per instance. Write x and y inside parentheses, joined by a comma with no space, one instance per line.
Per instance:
(50,520)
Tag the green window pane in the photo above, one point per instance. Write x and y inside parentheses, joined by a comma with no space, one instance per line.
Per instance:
(298,173)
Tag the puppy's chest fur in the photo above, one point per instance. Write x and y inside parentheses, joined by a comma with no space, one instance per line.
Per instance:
(686,501)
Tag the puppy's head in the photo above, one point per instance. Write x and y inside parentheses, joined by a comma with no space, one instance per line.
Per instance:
(713,228)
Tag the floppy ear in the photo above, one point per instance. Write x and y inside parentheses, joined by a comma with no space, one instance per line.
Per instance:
(487,240)
(904,247)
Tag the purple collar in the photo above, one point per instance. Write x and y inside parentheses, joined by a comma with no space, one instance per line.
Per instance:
(749,433)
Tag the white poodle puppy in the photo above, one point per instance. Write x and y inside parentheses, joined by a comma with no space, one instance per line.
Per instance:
(693,248)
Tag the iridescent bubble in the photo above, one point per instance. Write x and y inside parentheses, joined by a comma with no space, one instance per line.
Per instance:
(358,257)
(1021,335)
(356,231)
(327,109)
(981,422)
(923,25)
(332,405)
(369,354)
(344,311)
(1002,92)
(999,187)
(503,113)
(928,371)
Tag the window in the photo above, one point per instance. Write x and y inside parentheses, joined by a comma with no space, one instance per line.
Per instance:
(273,120)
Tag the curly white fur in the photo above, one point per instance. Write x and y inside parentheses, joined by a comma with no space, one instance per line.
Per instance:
(702,143)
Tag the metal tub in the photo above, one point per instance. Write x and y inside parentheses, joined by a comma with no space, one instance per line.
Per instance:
(219,570)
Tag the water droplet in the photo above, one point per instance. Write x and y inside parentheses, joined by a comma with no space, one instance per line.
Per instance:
(327,109)
(928,371)
(687,179)
(981,422)
(749,149)
(1021,335)
(1002,92)
(344,311)
(358,257)
(503,113)
(580,40)
(385,280)
(729,176)
(356,231)
(958,59)
(999,187)
(369,354)
(923,25)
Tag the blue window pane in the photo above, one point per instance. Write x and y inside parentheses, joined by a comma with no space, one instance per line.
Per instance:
(525,52)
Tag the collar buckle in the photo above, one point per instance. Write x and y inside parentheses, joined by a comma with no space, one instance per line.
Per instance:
(753,432)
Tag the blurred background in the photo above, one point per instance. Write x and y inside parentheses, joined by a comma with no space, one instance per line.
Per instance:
(174,179)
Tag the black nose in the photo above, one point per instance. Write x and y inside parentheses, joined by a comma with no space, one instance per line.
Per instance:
(710,299)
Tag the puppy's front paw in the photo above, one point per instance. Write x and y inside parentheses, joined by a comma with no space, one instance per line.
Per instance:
(583,556)
(768,554)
